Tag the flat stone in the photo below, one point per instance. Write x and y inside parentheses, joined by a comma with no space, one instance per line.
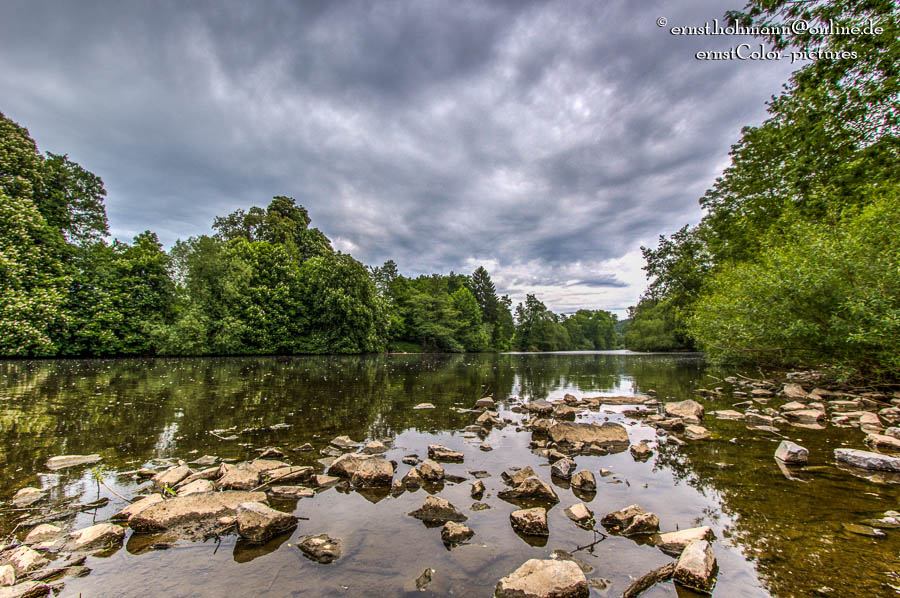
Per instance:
(805,416)
(883,442)
(442,453)
(455,533)
(27,589)
(64,461)
(23,559)
(608,434)
(324,481)
(867,460)
(210,473)
(137,507)
(532,522)
(540,406)
(286,475)
(863,530)
(758,419)
(437,510)
(728,414)
(689,409)
(43,533)
(547,578)
(375,447)
(257,522)
(321,548)
(343,442)
(196,486)
(171,476)
(95,537)
(791,453)
(238,478)
(692,432)
(28,496)
(485,403)
(565,412)
(673,543)
(580,514)
(183,510)
(696,568)
(373,473)
(205,461)
(424,406)
(794,391)
(291,492)
(531,488)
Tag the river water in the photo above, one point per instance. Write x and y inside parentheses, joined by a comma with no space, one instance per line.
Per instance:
(775,536)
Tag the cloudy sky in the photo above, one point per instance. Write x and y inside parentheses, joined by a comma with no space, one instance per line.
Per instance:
(545,140)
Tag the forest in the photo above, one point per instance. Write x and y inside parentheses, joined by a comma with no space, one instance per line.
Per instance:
(264,282)
(796,260)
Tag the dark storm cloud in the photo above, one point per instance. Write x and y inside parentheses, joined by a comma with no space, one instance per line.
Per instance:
(546,140)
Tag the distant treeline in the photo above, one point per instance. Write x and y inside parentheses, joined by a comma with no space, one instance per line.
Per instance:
(797,258)
(263,283)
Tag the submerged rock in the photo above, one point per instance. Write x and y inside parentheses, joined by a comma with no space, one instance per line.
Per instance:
(792,454)
(548,578)
(257,523)
(321,548)
(696,567)
(64,461)
(437,510)
(455,533)
(867,460)
(531,522)
(191,509)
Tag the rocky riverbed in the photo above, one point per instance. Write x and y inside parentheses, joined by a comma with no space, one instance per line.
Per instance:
(575,494)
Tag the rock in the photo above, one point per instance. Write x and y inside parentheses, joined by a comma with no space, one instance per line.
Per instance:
(210,473)
(883,442)
(541,425)
(548,578)
(605,435)
(622,518)
(563,469)
(641,451)
(794,391)
(485,403)
(321,548)
(728,414)
(584,480)
(805,416)
(477,489)
(687,410)
(437,509)
(844,406)
(23,559)
(673,543)
(373,473)
(514,478)
(410,460)
(531,522)
(487,420)
(793,406)
(272,452)
(374,448)
(867,460)
(43,533)
(863,530)
(424,579)
(27,589)
(643,523)
(196,486)
(305,447)
(761,392)
(696,567)
(791,453)
(291,492)
(693,432)
(424,406)
(7,575)
(64,461)
(183,510)
(28,496)
(238,478)
(291,473)
(581,514)
(95,537)
(412,479)
(343,442)
(171,476)
(137,507)
(257,523)
(345,465)
(205,461)
(890,414)
(430,471)
(751,418)
(541,407)
(485,447)
(531,488)
(565,412)
(442,453)
(892,432)
(455,533)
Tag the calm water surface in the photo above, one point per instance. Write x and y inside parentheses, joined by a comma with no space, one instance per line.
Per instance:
(776,537)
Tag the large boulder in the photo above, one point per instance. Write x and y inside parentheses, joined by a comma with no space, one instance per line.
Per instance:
(689,410)
(437,510)
(605,435)
(548,578)
(191,509)
(696,567)
(532,522)
(867,460)
(257,523)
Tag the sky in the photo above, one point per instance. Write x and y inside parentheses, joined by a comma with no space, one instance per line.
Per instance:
(546,141)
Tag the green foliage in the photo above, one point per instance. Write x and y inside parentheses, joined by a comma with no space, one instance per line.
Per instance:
(832,295)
